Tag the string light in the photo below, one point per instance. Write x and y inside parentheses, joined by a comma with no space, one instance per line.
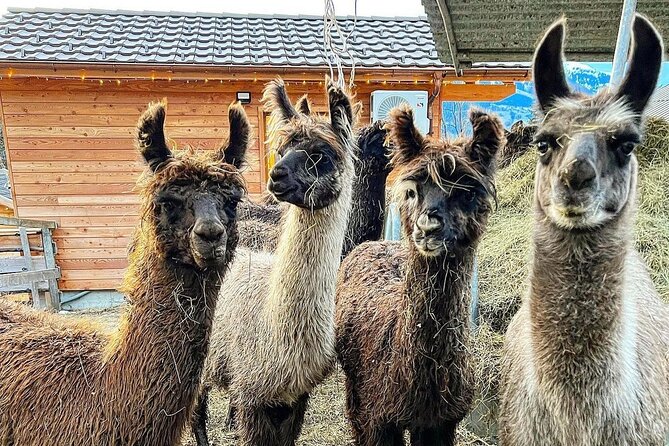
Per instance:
(84,76)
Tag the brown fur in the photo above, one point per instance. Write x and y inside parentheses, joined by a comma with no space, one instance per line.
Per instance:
(64,384)
(273,338)
(402,317)
(586,358)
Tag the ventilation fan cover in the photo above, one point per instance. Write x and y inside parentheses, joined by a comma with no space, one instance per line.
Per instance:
(389,103)
(385,100)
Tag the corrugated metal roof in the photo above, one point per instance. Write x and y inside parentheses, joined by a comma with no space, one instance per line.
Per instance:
(508,30)
(659,105)
(92,36)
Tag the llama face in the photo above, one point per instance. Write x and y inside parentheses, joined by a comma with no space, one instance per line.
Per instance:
(191,197)
(444,188)
(586,170)
(314,153)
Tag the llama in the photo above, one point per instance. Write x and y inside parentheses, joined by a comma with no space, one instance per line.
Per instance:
(402,314)
(63,383)
(585,358)
(260,223)
(369,188)
(274,323)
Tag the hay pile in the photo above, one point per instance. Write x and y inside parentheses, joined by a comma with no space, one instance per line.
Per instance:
(505,249)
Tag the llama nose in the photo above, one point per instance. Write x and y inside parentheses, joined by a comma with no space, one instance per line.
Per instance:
(278,172)
(209,230)
(429,223)
(578,174)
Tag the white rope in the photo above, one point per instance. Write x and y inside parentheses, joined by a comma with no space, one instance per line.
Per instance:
(334,53)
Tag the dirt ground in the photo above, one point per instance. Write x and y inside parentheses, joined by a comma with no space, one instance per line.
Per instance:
(324,425)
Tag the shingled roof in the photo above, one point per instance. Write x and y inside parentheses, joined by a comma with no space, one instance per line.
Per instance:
(123,37)
(486,31)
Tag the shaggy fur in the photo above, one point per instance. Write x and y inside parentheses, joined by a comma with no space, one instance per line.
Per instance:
(260,224)
(273,337)
(518,141)
(369,187)
(402,315)
(64,384)
(586,358)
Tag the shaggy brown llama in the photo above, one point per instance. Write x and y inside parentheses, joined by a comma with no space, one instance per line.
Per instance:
(273,336)
(402,314)
(260,223)
(586,358)
(64,384)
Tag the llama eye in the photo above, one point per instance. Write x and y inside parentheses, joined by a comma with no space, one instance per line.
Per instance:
(170,205)
(410,194)
(543,147)
(627,148)
(470,196)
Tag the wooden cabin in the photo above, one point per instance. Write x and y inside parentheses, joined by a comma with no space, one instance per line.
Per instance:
(73,84)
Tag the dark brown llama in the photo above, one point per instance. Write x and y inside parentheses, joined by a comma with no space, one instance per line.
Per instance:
(402,314)
(64,384)
(586,359)
(273,336)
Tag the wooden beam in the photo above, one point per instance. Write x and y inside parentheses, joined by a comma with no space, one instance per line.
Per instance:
(450,35)
(27,277)
(26,223)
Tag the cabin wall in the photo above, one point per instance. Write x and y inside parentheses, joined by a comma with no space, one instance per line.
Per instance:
(72,160)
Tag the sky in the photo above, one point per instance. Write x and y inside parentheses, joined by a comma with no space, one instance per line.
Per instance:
(407,8)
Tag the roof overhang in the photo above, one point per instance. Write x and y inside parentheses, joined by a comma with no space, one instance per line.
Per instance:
(471,31)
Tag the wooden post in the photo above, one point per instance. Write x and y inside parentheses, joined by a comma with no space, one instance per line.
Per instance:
(27,258)
(50,259)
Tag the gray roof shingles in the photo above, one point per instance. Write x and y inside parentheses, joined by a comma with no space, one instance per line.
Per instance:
(82,36)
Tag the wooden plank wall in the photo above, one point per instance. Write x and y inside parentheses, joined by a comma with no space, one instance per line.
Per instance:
(71,155)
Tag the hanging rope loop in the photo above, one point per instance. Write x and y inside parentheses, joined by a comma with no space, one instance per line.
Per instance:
(336,44)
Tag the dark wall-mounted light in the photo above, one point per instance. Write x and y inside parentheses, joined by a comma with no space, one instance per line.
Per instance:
(244,97)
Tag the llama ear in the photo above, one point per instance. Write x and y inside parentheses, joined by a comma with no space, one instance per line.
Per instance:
(550,82)
(150,139)
(487,137)
(341,111)
(302,105)
(405,137)
(276,100)
(240,130)
(644,65)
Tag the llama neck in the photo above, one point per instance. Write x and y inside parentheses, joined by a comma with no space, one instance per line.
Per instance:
(303,278)
(156,360)
(367,206)
(435,307)
(576,296)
